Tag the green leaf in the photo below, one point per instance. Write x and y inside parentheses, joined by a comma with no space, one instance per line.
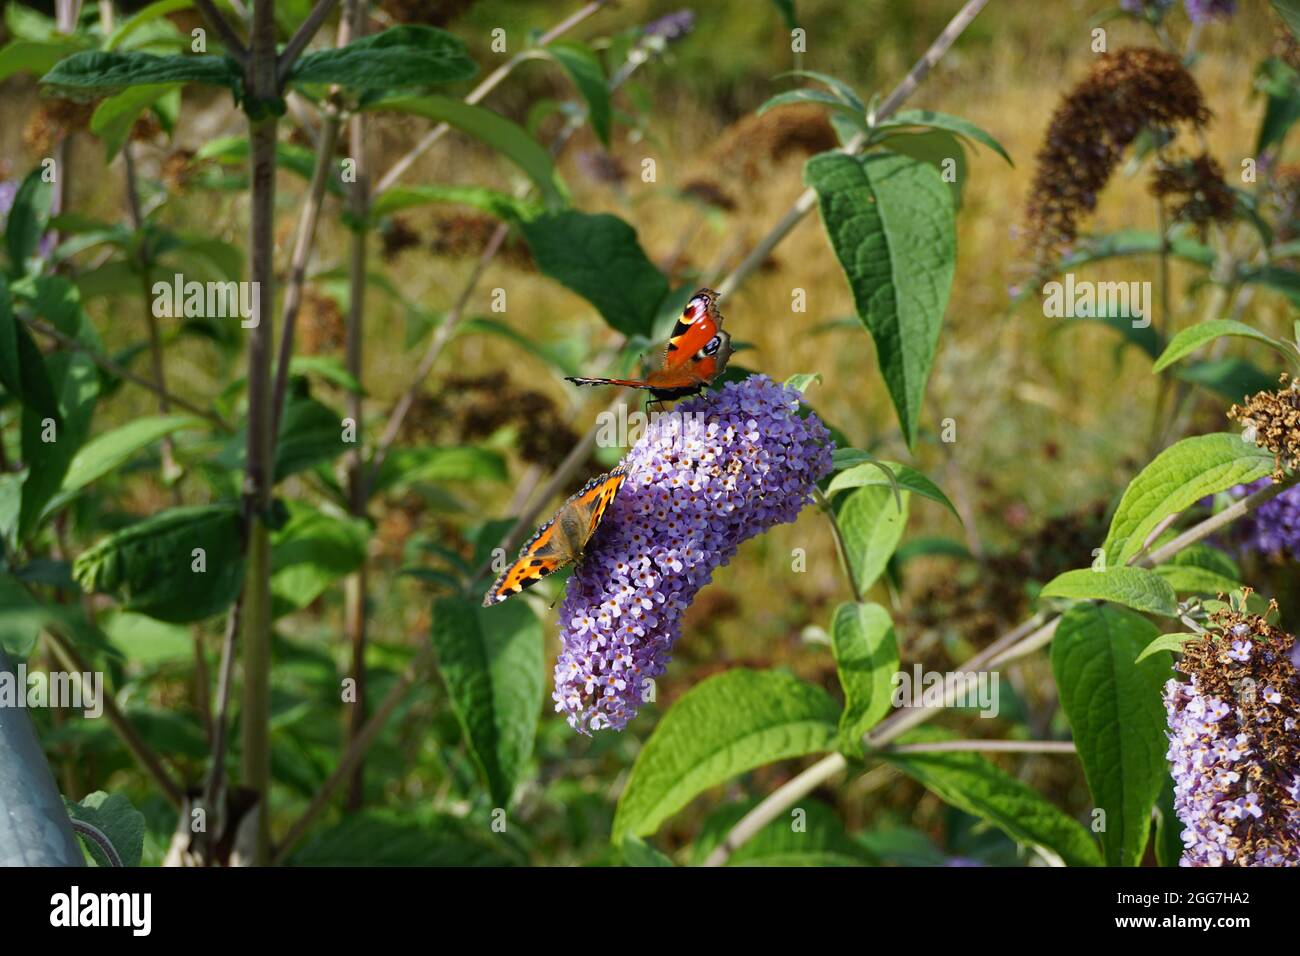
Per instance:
(1233,378)
(1278,278)
(401,57)
(29,216)
(1185,579)
(890,221)
(809,834)
(1137,588)
(842,91)
(406,838)
(36,56)
(945,121)
(507,138)
(1177,478)
(1190,339)
(1114,706)
(787,12)
(969,782)
(1169,840)
(802,381)
(598,257)
(636,852)
(872,525)
(311,552)
(499,204)
(907,477)
(491,661)
(114,817)
(114,117)
(564,356)
(299,160)
(817,97)
(1165,642)
(310,433)
(720,728)
(77,383)
(866,658)
(107,452)
(93,73)
(142,18)
(1145,337)
(940,149)
(152,568)
(1289,11)
(583,67)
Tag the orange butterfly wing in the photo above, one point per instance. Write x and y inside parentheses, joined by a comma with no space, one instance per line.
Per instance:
(547,551)
(700,321)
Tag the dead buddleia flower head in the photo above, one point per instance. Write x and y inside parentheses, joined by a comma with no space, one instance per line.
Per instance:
(179,169)
(423,11)
(466,235)
(396,235)
(799,129)
(320,323)
(709,193)
(52,121)
(1126,92)
(1196,189)
(1234,743)
(1271,420)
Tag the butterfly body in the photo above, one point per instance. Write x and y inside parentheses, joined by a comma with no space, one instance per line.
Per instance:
(562,540)
(696,353)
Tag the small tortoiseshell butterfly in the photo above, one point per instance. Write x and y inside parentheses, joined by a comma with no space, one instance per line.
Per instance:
(697,353)
(561,540)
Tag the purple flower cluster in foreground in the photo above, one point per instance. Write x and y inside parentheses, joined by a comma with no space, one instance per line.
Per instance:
(1274,527)
(1232,755)
(715,471)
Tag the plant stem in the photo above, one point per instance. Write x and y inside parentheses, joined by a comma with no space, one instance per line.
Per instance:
(985,746)
(841,547)
(229,39)
(298,42)
(118,371)
(144,755)
(354,612)
(260,463)
(489,83)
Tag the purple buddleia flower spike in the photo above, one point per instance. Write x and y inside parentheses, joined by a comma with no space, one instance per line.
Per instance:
(1271,529)
(672,26)
(1234,745)
(713,472)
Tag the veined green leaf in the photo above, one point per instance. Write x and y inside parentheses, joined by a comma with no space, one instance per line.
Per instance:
(944,121)
(1190,339)
(401,57)
(583,67)
(722,727)
(1177,478)
(1137,588)
(969,782)
(907,477)
(95,73)
(890,221)
(872,524)
(491,661)
(1113,703)
(866,658)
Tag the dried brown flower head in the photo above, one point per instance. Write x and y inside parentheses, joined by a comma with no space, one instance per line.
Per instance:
(602,167)
(321,328)
(52,121)
(178,169)
(1127,91)
(710,193)
(1272,420)
(753,140)
(397,236)
(465,235)
(1197,189)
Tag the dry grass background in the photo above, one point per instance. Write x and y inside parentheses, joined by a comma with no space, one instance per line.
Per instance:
(1049,421)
